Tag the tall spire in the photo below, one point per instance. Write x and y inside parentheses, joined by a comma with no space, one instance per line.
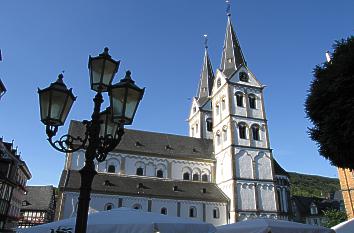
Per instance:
(207,75)
(232,56)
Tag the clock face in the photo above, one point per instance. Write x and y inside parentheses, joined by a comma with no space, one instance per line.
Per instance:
(243,77)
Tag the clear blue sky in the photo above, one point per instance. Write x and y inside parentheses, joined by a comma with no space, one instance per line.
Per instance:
(161,43)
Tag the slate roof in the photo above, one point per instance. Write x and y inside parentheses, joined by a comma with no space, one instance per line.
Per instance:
(38,198)
(144,187)
(279,170)
(206,78)
(157,144)
(303,204)
(232,50)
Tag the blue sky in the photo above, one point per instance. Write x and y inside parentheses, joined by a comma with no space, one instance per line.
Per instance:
(161,42)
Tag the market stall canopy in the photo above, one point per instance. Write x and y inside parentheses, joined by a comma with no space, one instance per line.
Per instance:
(345,227)
(271,226)
(123,220)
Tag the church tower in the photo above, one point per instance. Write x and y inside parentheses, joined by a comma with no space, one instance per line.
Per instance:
(244,167)
(200,117)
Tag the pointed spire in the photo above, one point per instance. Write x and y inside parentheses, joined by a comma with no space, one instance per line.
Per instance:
(232,56)
(207,75)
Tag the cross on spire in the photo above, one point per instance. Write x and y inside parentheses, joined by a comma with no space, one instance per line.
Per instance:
(228,7)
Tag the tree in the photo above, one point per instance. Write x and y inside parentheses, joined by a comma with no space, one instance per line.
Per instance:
(330,105)
(334,217)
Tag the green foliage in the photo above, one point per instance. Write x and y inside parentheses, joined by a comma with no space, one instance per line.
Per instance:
(329,105)
(334,217)
(312,186)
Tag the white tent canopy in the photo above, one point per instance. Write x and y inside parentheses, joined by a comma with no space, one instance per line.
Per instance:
(123,220)
(271,226)
(345,227)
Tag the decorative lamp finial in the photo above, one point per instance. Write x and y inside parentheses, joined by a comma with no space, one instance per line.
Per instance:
(228,8)
(206,41)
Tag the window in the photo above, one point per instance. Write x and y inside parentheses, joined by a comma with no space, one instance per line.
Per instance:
(205,178)
(194,109)
(195,177)
(196,128)
(242,131)
(159,173)
(223,104)
(139,171)
(243,76)
(218,83)
(239,99)
(164,211)
(192,212)
(186,176)
(209,124)
(255,132)
(109,206)
(313,209)
(137,206)
(216,213)
(252,101)
(217,108)
(111,169)
(192,130)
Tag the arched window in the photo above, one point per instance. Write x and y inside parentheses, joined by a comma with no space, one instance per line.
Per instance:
(239,99)
(218,83)
(252,101)
(209,124)
(139,171)
(205,178)
(164,211)
(192,212)
(192,131)
(255,132)
(195,177)
(242,131)
(111,169)
(137,206)
(223,104)
(216,212)
(186,176)
(108,206)
(243,76)
(159,173)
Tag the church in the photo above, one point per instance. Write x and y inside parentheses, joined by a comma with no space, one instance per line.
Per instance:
(223,172)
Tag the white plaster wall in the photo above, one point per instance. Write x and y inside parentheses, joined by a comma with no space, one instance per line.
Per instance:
(244,165)
(178,166)
(223,167)
(99,201)
(263,166)
(209,207)
(266,195)
(246,196)
(186,205)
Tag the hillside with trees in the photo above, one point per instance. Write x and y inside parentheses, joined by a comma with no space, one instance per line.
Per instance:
(312,186)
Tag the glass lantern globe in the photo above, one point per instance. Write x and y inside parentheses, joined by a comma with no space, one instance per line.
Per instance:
(55,103)
(125,97)
(102,70)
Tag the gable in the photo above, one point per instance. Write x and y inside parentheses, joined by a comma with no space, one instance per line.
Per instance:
(252,81)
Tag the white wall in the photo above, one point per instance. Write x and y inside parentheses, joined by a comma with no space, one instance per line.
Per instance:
(99,201)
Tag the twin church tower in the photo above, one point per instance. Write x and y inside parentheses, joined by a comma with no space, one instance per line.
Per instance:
(229,109)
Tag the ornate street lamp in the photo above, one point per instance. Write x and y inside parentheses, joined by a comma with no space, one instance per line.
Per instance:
(105,129)
(2,89)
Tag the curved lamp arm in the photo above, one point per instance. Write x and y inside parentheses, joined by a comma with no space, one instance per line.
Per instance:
(65,143)
(107,144)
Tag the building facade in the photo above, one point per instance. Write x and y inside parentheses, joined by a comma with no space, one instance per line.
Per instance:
(14,174)
(346,179)
(38,206)
(222,173)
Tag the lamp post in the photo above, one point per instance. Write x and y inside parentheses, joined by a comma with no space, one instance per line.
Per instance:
(105,129)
